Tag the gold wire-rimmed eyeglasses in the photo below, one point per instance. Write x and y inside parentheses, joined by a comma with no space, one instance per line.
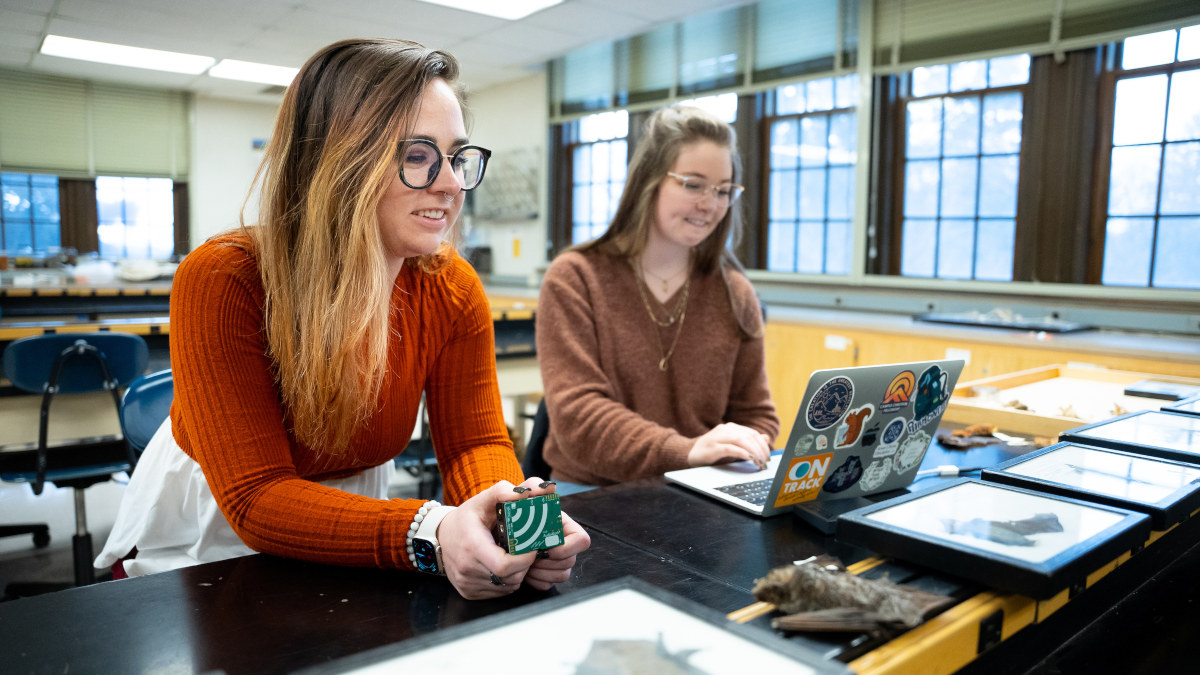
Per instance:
(723,193)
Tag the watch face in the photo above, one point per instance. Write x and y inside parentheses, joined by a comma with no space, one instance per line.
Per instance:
(425,556)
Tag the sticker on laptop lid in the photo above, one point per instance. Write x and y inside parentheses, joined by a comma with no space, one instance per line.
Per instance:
(803,479)
(898,393)
(912,449)
(845,476)
(875,474)
(830,403)
(851,427)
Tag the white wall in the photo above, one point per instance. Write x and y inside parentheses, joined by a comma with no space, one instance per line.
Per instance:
(506,118)
(509,117)
(224,161)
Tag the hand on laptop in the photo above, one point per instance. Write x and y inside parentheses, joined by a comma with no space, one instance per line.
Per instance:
(730,442)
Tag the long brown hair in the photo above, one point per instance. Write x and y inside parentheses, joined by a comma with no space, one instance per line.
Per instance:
(317,239)
(666,133)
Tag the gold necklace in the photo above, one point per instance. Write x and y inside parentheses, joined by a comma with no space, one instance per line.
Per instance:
(665,281)
(680,309)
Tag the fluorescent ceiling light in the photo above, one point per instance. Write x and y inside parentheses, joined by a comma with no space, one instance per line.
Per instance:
(504,9)
(121,55)
(248,71)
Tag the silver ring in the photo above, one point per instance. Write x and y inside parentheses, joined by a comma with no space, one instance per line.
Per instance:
(497,581)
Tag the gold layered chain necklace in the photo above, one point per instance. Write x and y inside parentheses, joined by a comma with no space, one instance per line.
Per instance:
(675,316)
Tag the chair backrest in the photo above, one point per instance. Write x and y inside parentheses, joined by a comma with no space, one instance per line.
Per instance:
(534,464)
(28,361)
(146,403)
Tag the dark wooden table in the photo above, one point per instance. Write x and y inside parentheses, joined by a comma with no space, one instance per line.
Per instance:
(262,614)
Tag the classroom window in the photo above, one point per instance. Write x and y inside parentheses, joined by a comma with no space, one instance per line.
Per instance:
(723,106)
(1152,221)
(810,193)
(136,217)
(962,144)
(29,219)
(599,155)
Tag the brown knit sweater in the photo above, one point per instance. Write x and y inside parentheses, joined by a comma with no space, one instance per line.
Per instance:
(227,413)
(614,416)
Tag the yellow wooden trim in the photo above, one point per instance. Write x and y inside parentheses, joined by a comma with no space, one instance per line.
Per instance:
(948,641)
(518,314)
(1047,607)
(864,565)
(17,292)
(108,292)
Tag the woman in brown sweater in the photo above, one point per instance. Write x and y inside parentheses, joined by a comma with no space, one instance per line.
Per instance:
(301,346)
(650,338)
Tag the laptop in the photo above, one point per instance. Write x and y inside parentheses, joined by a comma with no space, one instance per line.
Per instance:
(859,431)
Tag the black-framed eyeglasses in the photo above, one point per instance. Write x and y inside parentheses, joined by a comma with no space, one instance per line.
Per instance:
(421,161)
(724,193)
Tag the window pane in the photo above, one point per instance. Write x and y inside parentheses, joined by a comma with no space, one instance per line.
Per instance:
(930,80)
(958,187)
(600,162)
(1008,70)
(837,247)
(619,156)
(1141,105)
(583,162)
(781,251)
(1127,252)
(784,143)
(994,250)
(1148,50)
(1178,250)
(783,195)
(47,235)
(814,134)
(724,106)
(956,249)
(580,205)
(812,194)
(1181,179)
(16,200)
(843,138)
(1183,119)
(921,189)
(820,94)
(18,235)
(789,99)
(968,75)
(847,91)
(961,126)
(924,128)
(1189,43)
(1002,114)
(916,256)
(599,202)
(812,248)
(614,198)
(45,203)
(602,126)
(998,186)
(841,193)
(1133,185)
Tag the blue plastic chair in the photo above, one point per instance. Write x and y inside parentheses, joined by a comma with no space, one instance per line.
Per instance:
(72,363)
(146,403)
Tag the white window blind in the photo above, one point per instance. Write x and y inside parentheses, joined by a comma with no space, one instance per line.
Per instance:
(909,32)
(711,51)
(77,128)
(801,36)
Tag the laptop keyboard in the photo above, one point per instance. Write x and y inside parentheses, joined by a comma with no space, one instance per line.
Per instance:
(754,491)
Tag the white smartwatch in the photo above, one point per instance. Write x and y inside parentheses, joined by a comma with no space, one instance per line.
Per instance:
(427,553)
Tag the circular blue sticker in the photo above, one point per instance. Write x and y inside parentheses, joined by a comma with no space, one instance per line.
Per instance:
(830,403)
(893,430)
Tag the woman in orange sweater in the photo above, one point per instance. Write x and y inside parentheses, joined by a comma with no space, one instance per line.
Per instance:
(301,345)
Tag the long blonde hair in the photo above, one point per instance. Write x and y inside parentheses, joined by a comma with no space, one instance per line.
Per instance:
(317,239)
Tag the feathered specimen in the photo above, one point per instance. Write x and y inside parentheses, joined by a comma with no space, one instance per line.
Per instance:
(819,595)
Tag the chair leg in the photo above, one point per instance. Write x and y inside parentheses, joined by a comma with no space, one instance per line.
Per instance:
(85,575)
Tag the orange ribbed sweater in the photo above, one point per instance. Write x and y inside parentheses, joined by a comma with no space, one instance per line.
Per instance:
(228,417)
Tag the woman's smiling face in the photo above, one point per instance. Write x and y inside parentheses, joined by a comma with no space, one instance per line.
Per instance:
(414,222)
